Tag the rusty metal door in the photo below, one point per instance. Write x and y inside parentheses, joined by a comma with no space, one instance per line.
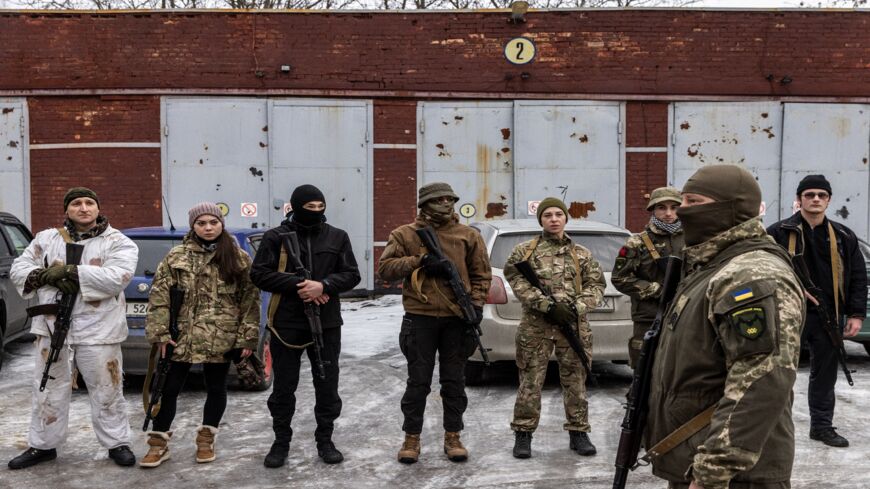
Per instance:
(745,133)
(470,146)
(572,150)
(834,140)
(216,149)
(14,164)
(326,143)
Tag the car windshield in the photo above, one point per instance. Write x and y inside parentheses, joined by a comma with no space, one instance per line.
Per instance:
(151,252)
(604,247)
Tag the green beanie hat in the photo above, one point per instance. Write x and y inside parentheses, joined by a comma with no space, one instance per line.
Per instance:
(551,202)
(77,192)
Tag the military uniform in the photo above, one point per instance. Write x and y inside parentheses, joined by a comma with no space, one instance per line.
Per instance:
(537,338)
(638,273)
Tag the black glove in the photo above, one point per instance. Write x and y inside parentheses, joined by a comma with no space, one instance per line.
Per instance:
(433,266)
(478,314)
(562,314)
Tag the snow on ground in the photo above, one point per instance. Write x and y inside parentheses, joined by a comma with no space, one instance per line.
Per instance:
(369,431)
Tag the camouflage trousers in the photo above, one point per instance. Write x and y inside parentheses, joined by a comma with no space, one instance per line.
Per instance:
(635,343)
(739,485)
(535,344)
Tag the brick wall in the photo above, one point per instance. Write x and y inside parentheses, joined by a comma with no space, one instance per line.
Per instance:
(646,131)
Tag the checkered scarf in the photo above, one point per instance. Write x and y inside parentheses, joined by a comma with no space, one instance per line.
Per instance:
(668,228)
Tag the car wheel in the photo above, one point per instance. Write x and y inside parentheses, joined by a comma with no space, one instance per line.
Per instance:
(264,353)
(475,373)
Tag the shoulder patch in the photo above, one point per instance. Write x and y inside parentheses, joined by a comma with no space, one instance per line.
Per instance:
(750,322)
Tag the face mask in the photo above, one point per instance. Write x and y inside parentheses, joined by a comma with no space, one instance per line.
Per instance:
(307,217)
(702,222)
(437,212)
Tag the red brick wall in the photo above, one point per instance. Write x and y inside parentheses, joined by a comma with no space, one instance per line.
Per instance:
(667,51)
(646,127)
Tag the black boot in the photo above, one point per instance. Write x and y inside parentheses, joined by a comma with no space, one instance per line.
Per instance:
(326,450)
(522,444)
(277,454)
(829,437)
(32,456)
(122,456)
(580,443)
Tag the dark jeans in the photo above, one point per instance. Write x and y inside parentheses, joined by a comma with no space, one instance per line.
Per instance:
(215,375)
(420,338)
(823,371)
(285,368)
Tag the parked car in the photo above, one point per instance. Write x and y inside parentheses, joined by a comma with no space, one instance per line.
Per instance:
(863,336)
(610,321)
(154,243)
(14,238)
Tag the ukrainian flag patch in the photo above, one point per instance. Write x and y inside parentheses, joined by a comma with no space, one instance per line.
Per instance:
(742,295)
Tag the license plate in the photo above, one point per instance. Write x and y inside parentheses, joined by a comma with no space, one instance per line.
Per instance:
(139,309)
(607,305)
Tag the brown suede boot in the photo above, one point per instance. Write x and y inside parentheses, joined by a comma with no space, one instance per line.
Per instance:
(410,451)
(205,436)
(453,447)
(158,449)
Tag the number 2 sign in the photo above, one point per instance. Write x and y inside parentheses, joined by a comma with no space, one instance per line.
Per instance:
(519,50)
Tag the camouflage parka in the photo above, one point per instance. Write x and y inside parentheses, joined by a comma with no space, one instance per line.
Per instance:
(731,338)
(216,316)
(554,266)
(638,275)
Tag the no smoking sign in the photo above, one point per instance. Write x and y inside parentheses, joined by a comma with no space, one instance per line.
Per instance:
(249,209)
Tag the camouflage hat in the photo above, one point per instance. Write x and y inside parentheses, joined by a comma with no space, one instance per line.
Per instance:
(433,191)
(664,194)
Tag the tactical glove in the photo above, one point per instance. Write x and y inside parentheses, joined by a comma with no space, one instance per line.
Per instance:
(67,286)
(433,266)
(562,314)
(55,273)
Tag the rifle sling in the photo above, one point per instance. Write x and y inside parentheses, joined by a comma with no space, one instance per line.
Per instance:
(578,281)
(274,300)
(653,252)
(680,435)
(417,285)
(146,389)
(835,263)
(43,310)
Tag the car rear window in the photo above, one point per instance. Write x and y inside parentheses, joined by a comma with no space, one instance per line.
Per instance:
(604,247)
(151,252)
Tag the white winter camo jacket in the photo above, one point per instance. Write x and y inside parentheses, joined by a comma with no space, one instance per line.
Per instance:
(107,266)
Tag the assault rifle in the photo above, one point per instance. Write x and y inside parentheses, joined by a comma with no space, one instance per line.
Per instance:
(176,299)
(831,324)
(290,242)
(525,269)
(634,422)
(463,300)
(63,309)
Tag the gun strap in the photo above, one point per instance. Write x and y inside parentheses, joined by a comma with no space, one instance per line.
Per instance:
(274,300)
(578,281)
(146,389)
(62,231)
(42,310)
(835,264)
(680,435)
(653,252)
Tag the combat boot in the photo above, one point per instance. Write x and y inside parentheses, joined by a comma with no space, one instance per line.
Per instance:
(522,444)
(158,449)
(205,436)
(829,437)
(32,456)
(328,453)
(453,447)
(410,451)
(277,454)
(580,443)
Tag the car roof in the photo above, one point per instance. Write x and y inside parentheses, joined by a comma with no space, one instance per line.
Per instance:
(505,226)
(162,232)
(5,216)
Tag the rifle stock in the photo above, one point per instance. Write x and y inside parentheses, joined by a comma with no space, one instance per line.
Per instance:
(176,299)
(63,319)
(634,422)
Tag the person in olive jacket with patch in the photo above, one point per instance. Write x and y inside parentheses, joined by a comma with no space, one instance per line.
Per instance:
(729,346)
(220,313)
(326,252)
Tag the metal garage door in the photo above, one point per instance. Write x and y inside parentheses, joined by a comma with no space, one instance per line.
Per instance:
(570,150)
(14,167)
(832,139)
(748,134)
(326,143)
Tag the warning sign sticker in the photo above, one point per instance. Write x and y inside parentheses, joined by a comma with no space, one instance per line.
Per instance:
(249,209)
(225,209)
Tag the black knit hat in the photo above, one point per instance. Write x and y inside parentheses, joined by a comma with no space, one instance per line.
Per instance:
(78,192)
(304,194)
(814,181)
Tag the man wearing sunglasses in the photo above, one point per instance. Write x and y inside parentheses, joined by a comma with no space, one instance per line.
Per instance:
(835,264)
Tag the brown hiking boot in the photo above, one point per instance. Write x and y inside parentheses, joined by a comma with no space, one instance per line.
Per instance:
(205,436)
(158,449)
(410,451)
(453,447)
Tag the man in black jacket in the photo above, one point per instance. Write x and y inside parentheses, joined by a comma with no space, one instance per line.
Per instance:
(326,252)
(842,277)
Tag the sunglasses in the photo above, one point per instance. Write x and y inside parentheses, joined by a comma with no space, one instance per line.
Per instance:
(813,195)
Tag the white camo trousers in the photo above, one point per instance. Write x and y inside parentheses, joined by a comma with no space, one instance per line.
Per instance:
(100,366)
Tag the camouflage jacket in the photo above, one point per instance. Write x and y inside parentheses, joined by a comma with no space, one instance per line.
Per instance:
(731,338)
(215,317)
(637,275)
(554,266)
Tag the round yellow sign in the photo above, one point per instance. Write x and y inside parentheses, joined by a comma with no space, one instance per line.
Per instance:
(225,209)
(519,50)
(467,211)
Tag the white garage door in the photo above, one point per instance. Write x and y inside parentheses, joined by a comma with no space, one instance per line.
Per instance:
(14,167)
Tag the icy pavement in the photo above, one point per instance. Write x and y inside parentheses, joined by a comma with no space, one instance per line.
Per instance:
(369,430)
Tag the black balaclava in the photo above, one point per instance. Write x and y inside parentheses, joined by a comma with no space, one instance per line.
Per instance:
(737,199)
(302,195)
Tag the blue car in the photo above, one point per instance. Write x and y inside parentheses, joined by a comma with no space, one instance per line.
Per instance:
(154,243)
